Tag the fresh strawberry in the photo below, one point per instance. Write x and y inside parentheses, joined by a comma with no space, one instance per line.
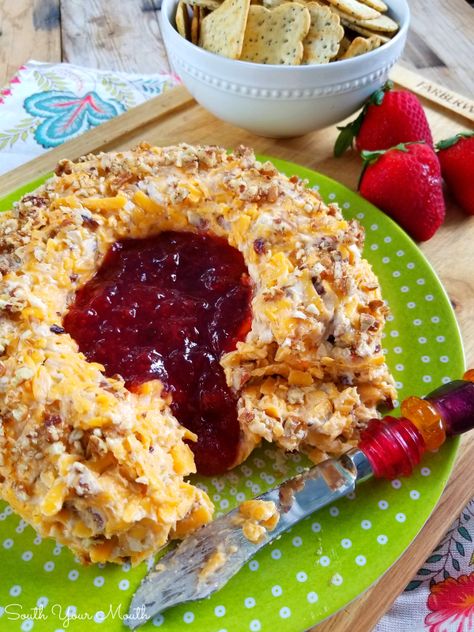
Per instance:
(456,156)
(388,118)
(405,182)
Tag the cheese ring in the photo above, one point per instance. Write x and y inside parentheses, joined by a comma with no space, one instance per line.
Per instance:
(102,468)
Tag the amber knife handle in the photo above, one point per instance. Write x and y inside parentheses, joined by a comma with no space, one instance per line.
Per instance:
(394,446)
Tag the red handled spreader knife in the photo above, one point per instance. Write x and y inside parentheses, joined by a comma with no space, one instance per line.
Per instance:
(388,448)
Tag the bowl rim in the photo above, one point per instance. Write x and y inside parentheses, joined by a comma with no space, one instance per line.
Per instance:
(282,68)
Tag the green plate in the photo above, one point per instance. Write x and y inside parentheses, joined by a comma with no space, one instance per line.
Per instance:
(322,563)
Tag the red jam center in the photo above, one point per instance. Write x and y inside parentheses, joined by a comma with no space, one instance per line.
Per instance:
(167,308)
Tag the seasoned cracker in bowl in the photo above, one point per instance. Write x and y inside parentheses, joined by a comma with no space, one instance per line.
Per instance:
(286,32)
(331,80)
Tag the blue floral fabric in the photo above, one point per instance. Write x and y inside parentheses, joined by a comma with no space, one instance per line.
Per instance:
(65,115)
(45,105)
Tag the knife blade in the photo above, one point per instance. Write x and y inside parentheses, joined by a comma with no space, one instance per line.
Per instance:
(180,575)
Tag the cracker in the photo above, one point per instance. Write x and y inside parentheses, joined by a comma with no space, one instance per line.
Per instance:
(360,29)
(355,9)
(222,31)
(343,46)
(195,25)
(378,5)
(325,32)
(361,45)
(276,36)
(272,4)
(382,23)
(212,5)
(183,25)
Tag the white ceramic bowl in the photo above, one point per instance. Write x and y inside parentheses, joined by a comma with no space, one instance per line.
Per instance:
(280,101)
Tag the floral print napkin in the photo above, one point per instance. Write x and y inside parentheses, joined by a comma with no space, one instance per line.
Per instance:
(45,105)
(440,598)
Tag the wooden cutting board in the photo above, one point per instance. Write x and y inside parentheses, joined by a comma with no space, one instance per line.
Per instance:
(175,117)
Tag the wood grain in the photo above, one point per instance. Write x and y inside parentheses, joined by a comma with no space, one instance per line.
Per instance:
(124,35)
(118,35)
(440,43)
(29,29)
(423,87)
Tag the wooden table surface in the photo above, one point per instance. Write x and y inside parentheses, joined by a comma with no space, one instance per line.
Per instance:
(124,35)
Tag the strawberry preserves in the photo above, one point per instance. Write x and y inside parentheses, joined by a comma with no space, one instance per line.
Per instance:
(167,308)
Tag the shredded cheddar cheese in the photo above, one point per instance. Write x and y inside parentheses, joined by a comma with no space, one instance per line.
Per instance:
(257,517)
(102,469)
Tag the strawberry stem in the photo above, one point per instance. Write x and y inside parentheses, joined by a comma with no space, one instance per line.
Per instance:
(377,97)
(373,156)
(449,142)
(345,139)
(370,157)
